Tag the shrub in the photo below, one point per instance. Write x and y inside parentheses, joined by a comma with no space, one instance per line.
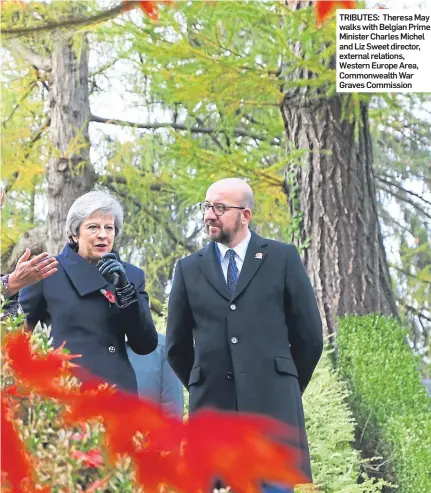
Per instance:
(330,426)
(387,397)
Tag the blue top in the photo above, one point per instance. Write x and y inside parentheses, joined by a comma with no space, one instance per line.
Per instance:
(156,379)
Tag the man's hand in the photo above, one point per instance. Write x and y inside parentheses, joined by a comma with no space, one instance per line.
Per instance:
(109,267)
(31,271)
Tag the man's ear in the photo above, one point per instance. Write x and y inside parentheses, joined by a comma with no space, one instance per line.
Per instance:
(246,216)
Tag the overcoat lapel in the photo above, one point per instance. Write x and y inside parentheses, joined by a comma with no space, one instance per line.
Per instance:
(254,258)
(85,277)
(210,267)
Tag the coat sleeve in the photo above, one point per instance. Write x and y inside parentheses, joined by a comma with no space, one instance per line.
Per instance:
(303,318)
(33,304)
(171,392)
(179,332)
(137,321)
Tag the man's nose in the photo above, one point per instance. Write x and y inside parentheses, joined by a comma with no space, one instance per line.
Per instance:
(209,214)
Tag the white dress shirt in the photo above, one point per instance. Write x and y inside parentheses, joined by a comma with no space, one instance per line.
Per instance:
(240,251)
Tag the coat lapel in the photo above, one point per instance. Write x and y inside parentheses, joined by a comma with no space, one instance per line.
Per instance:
(210,267)
(85,277)
(254,258)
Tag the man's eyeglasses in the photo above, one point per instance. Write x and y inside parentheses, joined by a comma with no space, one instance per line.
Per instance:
(218,209)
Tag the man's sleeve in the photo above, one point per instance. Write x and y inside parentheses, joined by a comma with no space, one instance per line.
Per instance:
(303,318)
(179,332)
(171,393)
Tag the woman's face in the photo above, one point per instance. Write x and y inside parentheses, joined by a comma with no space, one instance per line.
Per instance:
(96,236)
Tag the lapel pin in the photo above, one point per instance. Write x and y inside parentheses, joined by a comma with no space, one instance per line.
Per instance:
(259,255)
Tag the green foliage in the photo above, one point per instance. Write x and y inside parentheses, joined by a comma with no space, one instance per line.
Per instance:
(336,465)
(387,397)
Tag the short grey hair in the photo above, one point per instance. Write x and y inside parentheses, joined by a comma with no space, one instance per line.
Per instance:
(90,203)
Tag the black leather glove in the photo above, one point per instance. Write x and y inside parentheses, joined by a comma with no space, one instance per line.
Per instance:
(112,270)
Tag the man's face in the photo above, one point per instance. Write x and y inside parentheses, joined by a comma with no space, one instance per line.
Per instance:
(225,228)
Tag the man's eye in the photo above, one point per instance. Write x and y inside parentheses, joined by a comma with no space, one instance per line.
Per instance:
(219,207)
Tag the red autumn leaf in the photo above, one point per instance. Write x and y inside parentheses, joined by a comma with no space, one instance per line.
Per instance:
(15,465)
(243,450)
(38,370)
(324,8)
(150,8)
(92,458)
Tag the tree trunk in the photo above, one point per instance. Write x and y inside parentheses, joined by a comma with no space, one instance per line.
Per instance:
(69,173)
(345,258)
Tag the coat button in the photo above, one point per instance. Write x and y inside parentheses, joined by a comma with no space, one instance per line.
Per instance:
(234,340)
(229,375)
(111,349)
(232,306)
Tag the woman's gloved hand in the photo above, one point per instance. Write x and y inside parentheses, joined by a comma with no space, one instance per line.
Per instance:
(112,270)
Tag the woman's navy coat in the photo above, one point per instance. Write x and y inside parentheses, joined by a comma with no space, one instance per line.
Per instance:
(71,301)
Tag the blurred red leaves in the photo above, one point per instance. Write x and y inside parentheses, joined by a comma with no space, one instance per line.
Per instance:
(15,462)
(242,450)
(149,7)
(325,8)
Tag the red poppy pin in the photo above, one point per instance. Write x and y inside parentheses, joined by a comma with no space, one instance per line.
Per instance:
(109,295)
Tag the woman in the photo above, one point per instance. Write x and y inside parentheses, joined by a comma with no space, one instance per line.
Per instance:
(95,299)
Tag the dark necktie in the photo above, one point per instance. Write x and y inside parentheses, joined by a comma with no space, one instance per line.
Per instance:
(232,271)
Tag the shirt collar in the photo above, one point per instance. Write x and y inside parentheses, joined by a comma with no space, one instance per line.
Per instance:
(240,249)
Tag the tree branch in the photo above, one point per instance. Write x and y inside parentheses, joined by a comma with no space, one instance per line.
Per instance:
(35,239)
(31,57)
(32,85)
(414,310)
(399,187)
(409,274)
(406,200)
(78,21)
(179,126)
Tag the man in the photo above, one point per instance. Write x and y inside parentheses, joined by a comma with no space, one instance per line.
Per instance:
(156,380)
(244,332)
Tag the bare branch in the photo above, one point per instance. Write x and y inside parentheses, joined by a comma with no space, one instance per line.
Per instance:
(180,126)
(399,187)
(78,21)
(35,239)
(31,57)
(409,274)
(414,310)
(406,200)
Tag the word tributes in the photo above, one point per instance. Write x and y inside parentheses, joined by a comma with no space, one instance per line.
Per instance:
(383,50)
